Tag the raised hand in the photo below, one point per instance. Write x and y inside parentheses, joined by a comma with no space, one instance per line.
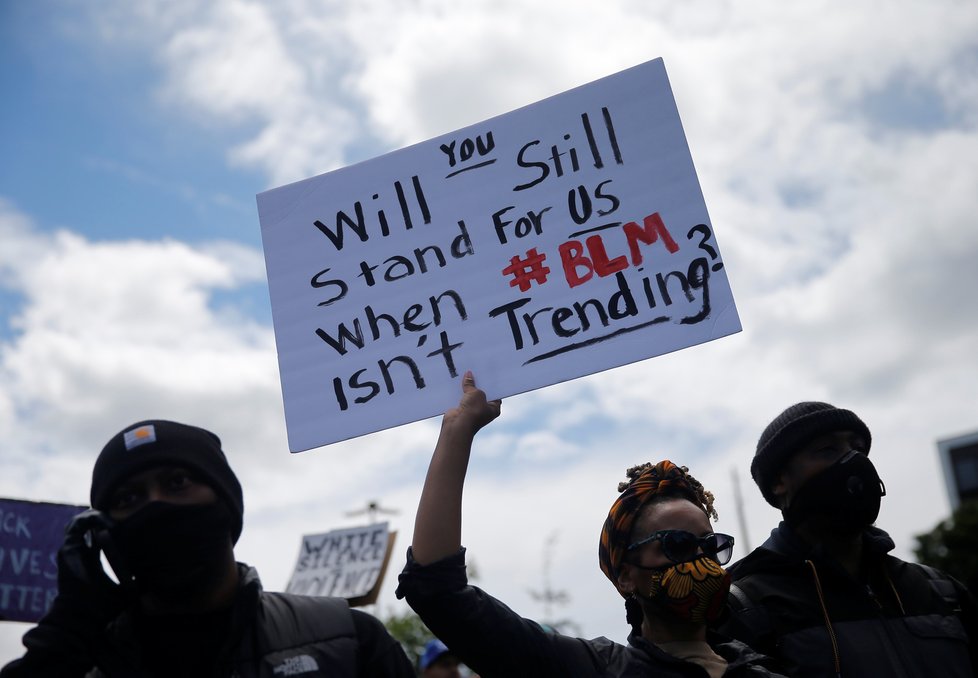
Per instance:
(473,411)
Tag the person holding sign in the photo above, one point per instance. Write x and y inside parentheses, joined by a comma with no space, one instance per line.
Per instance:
(167,511)
(822,594)
(657,548)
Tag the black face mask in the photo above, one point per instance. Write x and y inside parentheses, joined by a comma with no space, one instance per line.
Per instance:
(844,498)
(175,550)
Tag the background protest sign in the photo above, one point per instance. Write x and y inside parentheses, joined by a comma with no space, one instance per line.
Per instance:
(348,563)
(558,240)
(30,535)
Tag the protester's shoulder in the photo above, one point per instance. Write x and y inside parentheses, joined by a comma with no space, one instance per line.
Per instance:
(331,616)
(248,577)
(641,658)
(760,562)
(778,553)
(759,580)
(601,646)
(369,629)
(919,571)
(919,577)
(284,607)
(742,660)
(299,604)
(614,659)
(289,618)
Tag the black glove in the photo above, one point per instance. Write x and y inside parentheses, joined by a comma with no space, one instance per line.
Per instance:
(66,641)
(82,583)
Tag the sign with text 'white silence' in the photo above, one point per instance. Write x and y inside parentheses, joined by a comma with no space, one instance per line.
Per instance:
(345,563)
(558,240)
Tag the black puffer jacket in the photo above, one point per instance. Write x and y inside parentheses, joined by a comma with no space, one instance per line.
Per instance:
(497,643)
(801,607)
(266,635)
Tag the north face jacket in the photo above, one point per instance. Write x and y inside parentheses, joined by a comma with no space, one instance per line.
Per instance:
(799,606)
(269,635)
(495,642)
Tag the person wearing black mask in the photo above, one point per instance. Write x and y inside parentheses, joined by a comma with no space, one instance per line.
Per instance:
(166,512)
(822,594)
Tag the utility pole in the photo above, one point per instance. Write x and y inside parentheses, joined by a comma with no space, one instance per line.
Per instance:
(371,510)
(739,503)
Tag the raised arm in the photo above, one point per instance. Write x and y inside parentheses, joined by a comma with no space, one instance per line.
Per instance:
(438,525)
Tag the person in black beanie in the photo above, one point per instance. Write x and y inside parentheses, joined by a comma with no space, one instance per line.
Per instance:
(822,595)
(166,512)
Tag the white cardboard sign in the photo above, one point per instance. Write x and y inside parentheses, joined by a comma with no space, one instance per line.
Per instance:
(555,241)
(345,563)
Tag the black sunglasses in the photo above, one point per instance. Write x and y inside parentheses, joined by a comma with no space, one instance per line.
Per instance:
(681,546)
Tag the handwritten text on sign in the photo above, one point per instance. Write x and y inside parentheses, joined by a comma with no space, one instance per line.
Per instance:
(343,563)
(555,241)
(30,535)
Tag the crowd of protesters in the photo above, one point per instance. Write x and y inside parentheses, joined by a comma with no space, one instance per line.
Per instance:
(821,597)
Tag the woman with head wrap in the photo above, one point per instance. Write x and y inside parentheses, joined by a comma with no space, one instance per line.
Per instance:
(657,547)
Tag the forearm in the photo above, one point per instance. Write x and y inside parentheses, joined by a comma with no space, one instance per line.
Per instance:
(438,524)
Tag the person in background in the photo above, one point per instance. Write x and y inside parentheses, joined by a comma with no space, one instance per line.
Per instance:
(657,548)
(437,661)
(167,511)
(822,594)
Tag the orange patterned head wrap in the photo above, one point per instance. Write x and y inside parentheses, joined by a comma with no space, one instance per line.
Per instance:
(646,482)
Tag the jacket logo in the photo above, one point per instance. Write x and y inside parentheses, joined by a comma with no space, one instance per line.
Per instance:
(293,666)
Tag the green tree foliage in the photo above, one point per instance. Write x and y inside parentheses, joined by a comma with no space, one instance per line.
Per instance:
(410,632)
(952,546)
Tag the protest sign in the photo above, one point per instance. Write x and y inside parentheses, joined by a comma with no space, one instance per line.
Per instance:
(347,563)
(30,535)
(555,241)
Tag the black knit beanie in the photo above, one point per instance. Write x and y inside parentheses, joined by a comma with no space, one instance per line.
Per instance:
(155,442)
(793,428)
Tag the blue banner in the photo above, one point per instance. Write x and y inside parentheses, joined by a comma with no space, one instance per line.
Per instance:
(30,535)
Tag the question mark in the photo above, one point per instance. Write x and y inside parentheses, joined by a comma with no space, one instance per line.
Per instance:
(705,246)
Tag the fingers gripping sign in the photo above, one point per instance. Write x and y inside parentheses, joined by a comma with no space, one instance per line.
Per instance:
(474,411)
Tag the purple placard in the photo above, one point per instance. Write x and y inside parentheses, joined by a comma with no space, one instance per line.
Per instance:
(30,535)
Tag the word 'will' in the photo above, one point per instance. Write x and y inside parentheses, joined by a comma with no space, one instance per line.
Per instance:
(359,223)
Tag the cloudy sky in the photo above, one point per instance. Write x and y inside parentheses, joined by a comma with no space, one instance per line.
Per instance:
(835,144)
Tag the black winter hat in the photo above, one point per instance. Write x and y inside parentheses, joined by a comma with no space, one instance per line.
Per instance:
(793,428)
(153,442)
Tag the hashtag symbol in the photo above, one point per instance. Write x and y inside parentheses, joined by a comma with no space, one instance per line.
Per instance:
(526,271)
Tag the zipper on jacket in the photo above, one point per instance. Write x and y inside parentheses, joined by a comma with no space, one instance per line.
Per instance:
(896,593)
(872,597)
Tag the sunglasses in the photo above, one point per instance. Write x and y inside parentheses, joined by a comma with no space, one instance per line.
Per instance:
(681,546)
